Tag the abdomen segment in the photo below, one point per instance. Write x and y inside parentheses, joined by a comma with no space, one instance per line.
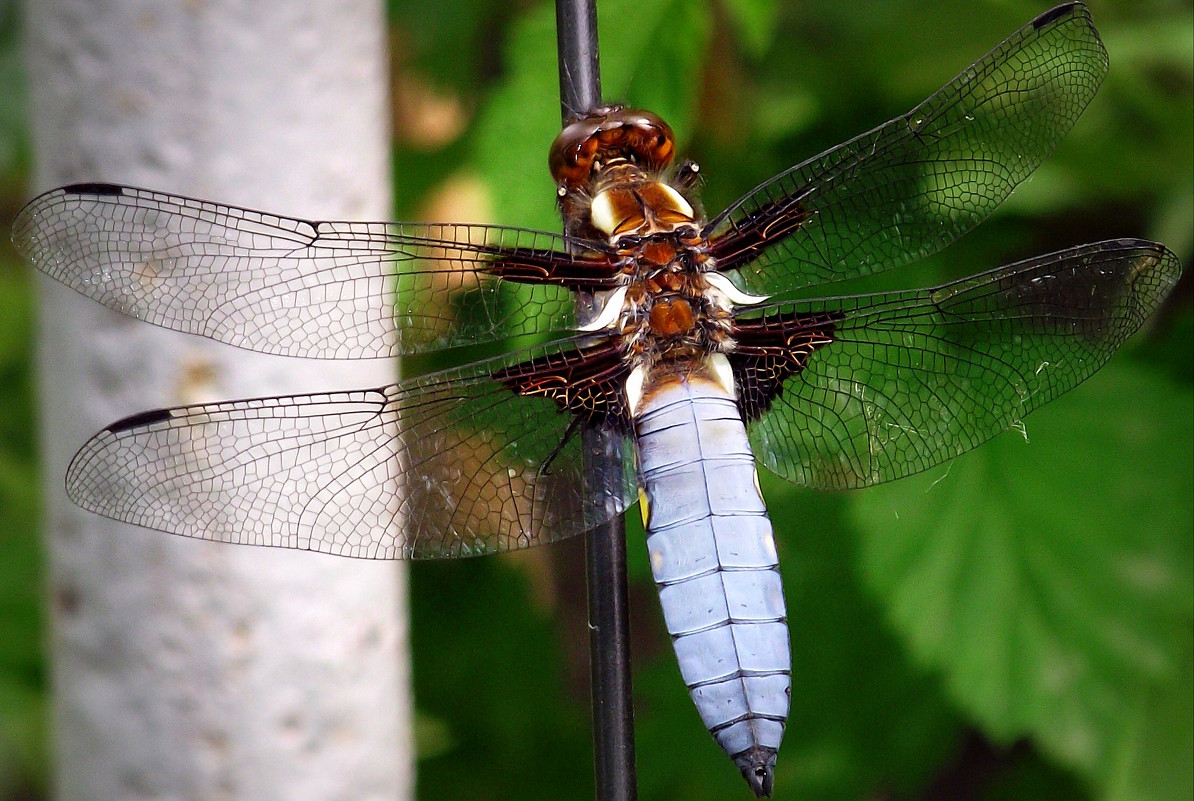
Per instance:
(713,557)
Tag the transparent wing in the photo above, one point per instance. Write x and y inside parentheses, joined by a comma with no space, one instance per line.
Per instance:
(448,465)
(913,185)
(911,379)
(287,286)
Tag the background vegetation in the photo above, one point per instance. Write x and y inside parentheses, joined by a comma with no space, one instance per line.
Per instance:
(1016,625)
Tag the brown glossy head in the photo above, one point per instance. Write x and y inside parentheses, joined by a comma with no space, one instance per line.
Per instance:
(606,136)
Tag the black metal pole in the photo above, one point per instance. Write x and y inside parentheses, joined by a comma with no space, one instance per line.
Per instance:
(576,44)
(605,546)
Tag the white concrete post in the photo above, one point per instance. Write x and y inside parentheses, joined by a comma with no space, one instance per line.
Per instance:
(185,669)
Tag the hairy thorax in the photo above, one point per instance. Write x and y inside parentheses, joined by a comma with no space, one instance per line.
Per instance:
(616,184)
(670,310)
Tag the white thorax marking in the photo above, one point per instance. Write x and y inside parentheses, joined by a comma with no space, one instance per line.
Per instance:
(642,209)
(733,293)
(610,311)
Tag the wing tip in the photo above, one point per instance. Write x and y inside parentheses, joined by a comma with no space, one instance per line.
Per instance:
(1158,260)
(1056,13)
(25,230)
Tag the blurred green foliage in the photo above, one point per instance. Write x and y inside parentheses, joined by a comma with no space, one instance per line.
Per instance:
(1018,624)
(22,685)
(1035,597)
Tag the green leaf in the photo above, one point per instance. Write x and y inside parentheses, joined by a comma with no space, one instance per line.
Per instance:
(1046,580)
(24,771)
(517,124)
(500,712)
(14,106)
(448,39)
(1032,777)
(652,63)
(754,22)
(1152,759)
(23,735)
(651,54)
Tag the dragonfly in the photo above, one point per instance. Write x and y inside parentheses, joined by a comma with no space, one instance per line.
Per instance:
(687,340)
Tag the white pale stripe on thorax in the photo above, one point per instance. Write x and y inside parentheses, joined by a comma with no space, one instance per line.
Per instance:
(713,557)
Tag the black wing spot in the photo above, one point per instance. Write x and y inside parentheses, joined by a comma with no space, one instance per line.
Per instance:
(139,420)
(1054,14)
(104,190)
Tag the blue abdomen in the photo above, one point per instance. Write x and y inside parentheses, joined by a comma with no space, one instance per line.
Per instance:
(713,556)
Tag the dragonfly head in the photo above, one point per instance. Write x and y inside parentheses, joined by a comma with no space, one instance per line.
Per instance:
(607,137)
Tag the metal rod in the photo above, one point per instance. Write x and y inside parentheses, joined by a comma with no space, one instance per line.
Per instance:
(605,546)
(576,45)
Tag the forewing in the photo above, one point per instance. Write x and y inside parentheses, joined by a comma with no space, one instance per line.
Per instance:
(335,290)
(913,185)
(897,383)
(447,465)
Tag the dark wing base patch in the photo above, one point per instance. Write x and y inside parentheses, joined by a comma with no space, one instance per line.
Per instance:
(578,273)
(757,230)
(588,382)
(770,350)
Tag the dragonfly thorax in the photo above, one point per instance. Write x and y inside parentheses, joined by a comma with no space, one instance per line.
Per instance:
(670,307)
(640,209)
